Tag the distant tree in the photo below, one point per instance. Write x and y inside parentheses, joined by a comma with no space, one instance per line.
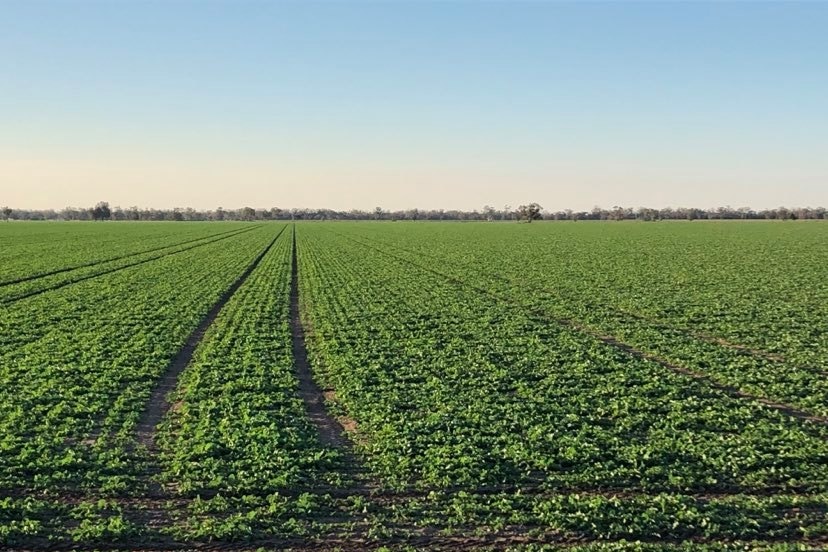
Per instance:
(598,213)
(247,213)
(69,213)
(101,211)
(529,212)
(745,212)
(645,213)
(525,212)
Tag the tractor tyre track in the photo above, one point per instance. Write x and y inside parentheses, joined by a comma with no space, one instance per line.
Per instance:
(543,316)
(654,322)
(159,404)
(60,285)
(331,431)
(109,260)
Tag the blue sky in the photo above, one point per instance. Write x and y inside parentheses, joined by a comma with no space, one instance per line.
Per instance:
(444,104)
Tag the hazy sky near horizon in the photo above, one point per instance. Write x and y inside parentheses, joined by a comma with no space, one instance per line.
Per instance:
(431,105)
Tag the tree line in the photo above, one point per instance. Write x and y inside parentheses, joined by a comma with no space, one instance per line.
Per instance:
(528,212)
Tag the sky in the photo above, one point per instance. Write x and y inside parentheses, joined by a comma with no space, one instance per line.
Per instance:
(452,105)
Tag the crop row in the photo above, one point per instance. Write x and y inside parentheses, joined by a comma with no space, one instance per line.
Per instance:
(662,521)
(482,417)
(759,284)
(78,364)
(32,250)
(532,282)
(239,425)
(61,278)
(451,387)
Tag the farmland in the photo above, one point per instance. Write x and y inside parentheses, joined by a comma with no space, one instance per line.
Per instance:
(413,385)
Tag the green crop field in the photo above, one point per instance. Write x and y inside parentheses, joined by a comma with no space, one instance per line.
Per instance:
(414,385)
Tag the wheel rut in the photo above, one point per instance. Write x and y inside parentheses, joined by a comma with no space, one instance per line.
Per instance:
(33,293)
(331,432)
(542,316)
(61,270)
(155,513)
(654,322)
(159,402)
